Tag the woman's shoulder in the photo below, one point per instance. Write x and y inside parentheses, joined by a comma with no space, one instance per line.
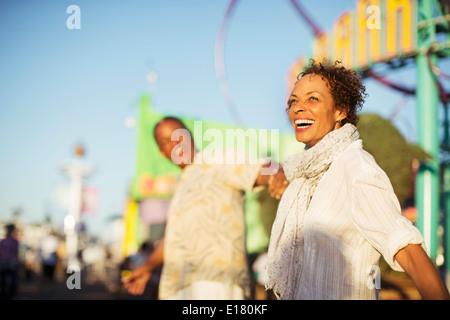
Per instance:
(356,161)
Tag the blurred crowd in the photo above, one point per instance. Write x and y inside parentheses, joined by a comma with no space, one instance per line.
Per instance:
(38,256)
(41,260)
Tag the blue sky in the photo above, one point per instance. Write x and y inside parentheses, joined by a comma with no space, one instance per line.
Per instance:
(60,86)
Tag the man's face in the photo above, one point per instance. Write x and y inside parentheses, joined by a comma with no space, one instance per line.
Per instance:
(175,142)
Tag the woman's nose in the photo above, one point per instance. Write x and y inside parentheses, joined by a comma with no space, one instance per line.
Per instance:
(297,108)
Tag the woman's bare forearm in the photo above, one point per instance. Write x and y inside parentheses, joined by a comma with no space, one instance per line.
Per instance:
(414,260)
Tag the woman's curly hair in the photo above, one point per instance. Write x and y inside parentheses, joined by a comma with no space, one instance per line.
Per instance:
(345,85)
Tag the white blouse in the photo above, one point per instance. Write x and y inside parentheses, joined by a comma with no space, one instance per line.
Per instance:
(353,218)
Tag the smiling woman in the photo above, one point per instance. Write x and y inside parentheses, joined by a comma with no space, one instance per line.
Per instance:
(339,213)
(324,99)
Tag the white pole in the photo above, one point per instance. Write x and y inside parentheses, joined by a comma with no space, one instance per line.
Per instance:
(76,171)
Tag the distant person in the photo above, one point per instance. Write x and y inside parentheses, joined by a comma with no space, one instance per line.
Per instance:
(48,253)
(30,258)
(203,251)
(339,214)
(9,263)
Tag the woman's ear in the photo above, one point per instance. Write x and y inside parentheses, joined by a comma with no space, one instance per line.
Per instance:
(341,114)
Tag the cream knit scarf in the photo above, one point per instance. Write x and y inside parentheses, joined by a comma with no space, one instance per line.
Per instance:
(303,171)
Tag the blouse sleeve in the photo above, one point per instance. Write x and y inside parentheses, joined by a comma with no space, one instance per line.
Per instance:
(377,215)
(241,172)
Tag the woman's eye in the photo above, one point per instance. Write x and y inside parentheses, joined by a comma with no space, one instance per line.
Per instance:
(291,102)
(313,99)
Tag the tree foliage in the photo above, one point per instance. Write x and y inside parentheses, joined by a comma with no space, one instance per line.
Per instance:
(391,151)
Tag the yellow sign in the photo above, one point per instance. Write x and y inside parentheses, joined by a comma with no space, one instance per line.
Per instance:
(377,31)
(368,32)
(401,27)
(131,224)
(343,32)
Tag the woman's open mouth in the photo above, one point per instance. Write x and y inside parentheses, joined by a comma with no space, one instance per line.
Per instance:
(303,124)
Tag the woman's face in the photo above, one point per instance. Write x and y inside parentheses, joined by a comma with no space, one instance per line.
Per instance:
(312,110)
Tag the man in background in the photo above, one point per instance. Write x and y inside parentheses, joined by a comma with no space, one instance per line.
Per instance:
(204,250)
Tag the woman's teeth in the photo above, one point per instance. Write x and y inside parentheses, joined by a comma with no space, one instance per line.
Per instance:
(303,123)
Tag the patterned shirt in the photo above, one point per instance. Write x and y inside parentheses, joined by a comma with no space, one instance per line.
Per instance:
(205,233)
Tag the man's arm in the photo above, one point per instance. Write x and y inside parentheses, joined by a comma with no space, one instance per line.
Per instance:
(137,281)
(414,260)
(276,180)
